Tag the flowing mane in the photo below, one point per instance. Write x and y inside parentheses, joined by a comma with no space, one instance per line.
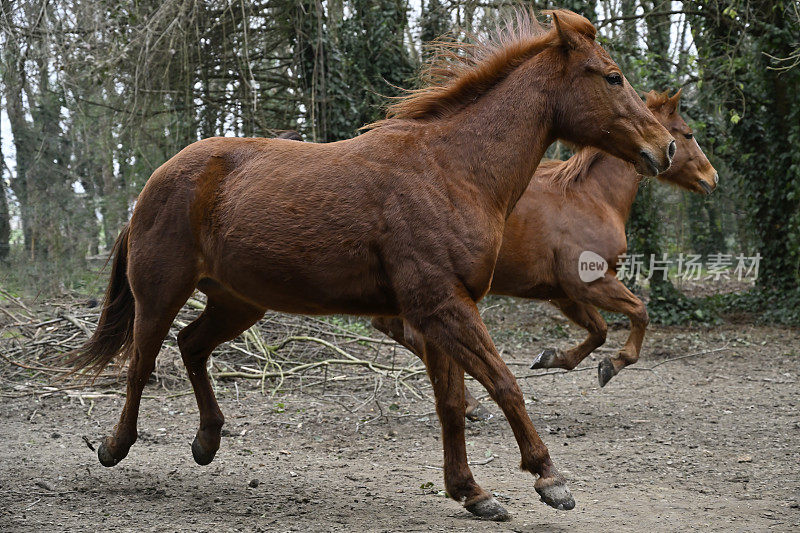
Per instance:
(459,73)
(562,174)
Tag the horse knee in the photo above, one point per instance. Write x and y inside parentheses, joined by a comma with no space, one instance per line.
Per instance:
(506,390)
(450,406)
(600,332)
(640,317)
(188,355)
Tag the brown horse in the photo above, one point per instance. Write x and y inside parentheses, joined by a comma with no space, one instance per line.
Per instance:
(551,227)
(405,220)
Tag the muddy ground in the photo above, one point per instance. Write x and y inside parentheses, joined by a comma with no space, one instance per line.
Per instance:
(710,442)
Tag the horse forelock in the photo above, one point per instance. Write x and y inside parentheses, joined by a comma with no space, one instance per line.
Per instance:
(655,99)
(459,72)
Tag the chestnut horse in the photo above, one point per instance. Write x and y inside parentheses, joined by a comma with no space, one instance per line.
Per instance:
(587,209)
(405,220)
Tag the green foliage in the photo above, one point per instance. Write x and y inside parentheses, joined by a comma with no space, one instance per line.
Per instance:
(758,117)
(99,93)
(354,325)
(705,226)
(378,60)
(434,21)
(766,306)
(669,306)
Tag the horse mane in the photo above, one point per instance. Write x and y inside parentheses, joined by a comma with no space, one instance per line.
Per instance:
(459,73)
(562,174)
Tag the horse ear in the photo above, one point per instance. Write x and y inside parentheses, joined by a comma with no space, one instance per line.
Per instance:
(673,102)
(566,35)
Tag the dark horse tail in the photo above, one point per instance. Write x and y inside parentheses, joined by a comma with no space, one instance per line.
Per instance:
(114,333)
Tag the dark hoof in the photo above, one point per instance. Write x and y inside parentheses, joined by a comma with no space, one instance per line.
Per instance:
(546,359)
(201,456)
(605,371)
(556,494)
(106,459)
(489,510)
(479,414)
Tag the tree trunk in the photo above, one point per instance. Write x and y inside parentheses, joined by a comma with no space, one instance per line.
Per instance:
(5,215)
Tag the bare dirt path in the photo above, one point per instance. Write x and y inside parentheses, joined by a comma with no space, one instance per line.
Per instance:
(710,442)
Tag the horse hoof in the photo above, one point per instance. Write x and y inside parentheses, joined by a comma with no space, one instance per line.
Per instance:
(489,510)
(201,456)
(605,371)
(106,459)
(556,494)
(478,414)
(546,359)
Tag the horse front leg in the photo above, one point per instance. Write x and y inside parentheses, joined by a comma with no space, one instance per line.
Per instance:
(448,387)
(585,316)
(628,304)
(456,328)
(611,294)
(395,329)
(449,390)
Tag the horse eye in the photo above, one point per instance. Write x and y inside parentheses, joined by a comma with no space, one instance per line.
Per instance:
(614,79)
(688,135)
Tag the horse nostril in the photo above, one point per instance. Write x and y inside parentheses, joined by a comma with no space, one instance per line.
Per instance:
(716,178)
(671,150)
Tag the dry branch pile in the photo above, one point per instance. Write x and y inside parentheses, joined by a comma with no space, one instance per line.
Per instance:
(279,352)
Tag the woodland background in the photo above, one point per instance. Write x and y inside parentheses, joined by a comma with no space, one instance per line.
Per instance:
(94,95)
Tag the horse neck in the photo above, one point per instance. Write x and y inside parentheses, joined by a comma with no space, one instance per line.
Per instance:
(499,139)
(618,183)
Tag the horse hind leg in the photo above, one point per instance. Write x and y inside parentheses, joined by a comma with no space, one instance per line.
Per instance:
(224,318)
(474,410)
(157,304)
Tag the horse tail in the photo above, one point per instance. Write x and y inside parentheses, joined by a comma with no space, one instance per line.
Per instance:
(114,333)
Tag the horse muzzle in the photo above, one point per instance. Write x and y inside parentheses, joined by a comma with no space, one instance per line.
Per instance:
(651,165)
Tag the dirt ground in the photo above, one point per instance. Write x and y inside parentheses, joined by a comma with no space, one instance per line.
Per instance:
(710,442)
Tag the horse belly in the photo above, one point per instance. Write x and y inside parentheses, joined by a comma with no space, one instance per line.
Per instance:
(309,280)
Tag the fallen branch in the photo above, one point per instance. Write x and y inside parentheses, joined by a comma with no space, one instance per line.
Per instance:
(376,367)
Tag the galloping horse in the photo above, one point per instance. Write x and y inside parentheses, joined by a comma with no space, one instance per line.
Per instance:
(405,220)
(580,205)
